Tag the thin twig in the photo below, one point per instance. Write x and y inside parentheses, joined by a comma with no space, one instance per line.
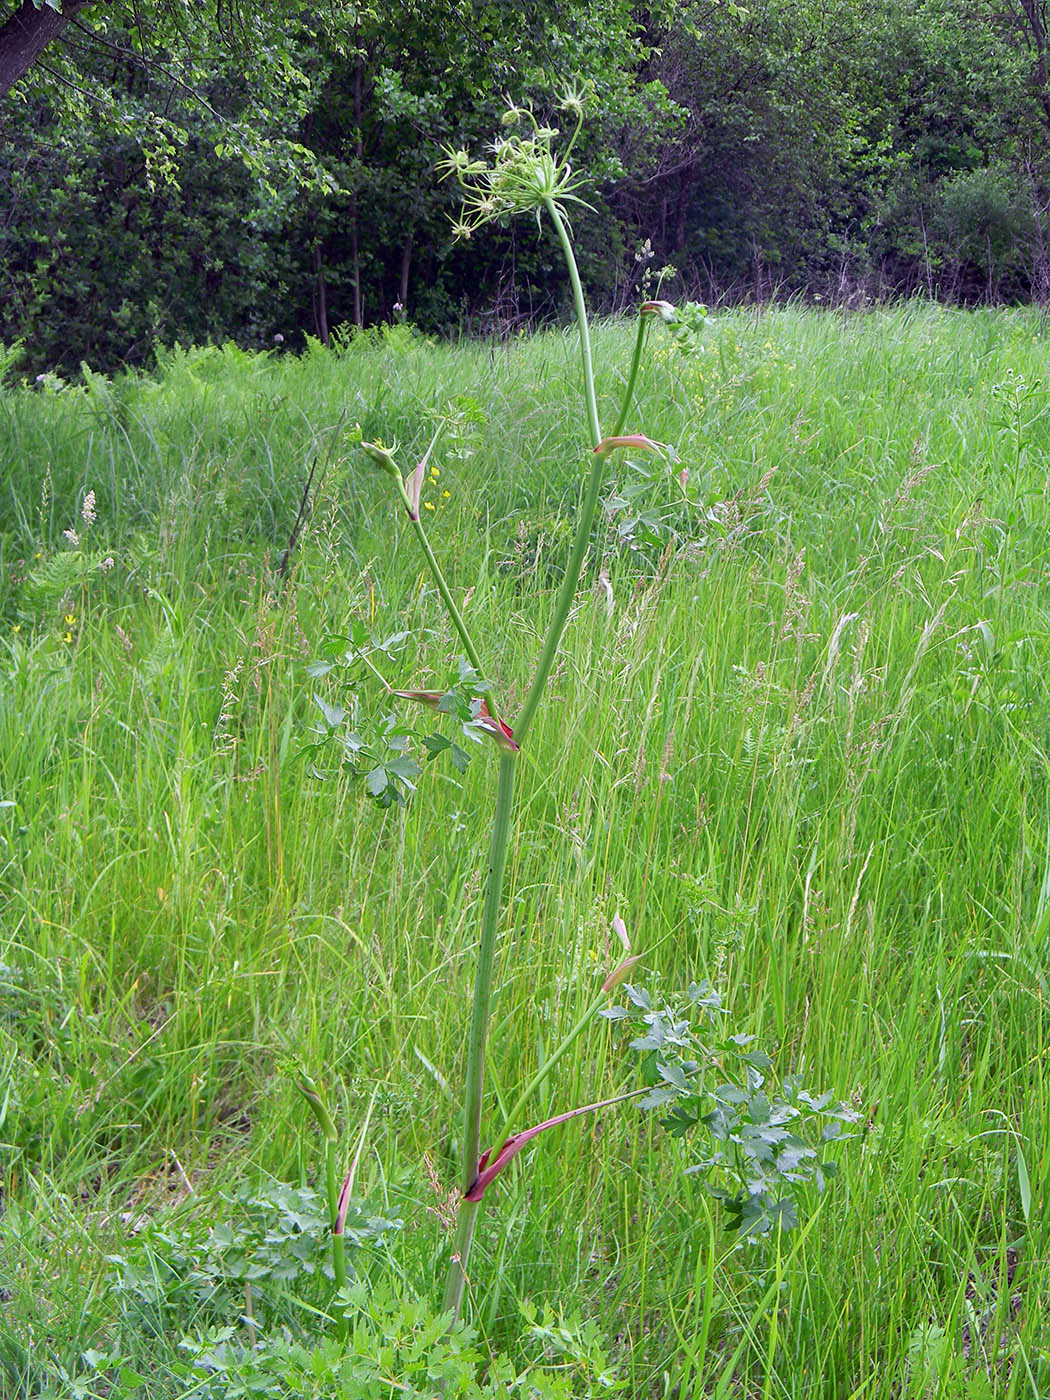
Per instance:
(300,520)
(305,506)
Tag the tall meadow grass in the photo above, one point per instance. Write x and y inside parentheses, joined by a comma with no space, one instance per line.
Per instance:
(798,739)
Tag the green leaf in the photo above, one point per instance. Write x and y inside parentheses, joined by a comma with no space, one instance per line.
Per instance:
(376,780)
(784,1213)
(673,1075)
(389,645)
(759,1108)
(405,768)
(333,714)
(1023,1182)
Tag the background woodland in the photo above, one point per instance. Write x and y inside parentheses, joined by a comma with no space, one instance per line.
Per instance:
(175,174)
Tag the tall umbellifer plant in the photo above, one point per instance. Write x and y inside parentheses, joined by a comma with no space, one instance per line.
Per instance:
(526,175)
(756,1145)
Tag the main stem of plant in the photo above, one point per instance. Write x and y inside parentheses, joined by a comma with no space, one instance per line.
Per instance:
(502,821)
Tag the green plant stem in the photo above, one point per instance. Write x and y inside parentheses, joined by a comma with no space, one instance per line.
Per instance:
(330,1183)
(566,594)
(581,319)
(443,588)
(636,360)
(503,816)
(331,1149)
(590,500)
(479,1024)
(512,1116)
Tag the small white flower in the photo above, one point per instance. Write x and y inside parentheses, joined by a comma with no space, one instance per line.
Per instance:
(106,564)
(87,510)
(72,537)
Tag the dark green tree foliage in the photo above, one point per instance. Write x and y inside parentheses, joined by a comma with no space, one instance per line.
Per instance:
(270,171)
(414,78)
(818,147)
(181,205)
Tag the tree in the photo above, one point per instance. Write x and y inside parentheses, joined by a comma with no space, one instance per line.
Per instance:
(27,31)
(149,26)
(130,223)
(129,67)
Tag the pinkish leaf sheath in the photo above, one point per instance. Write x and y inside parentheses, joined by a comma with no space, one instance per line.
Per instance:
(490,1166)
(414,488)
(502,733)
(637,441)
(339,1224)
(619,974)
(666,312)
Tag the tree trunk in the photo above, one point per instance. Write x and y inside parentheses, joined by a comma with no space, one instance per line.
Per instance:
(988,254)
(406,264)
(26,33)
(320,298)
(1040,241)
(681,213)
(355,250)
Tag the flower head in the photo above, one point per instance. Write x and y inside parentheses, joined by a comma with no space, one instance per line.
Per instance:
(524,173)
(574,100)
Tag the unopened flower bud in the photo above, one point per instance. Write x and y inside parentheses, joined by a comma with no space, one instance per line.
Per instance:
(666,312)
(620,929)
(383,458)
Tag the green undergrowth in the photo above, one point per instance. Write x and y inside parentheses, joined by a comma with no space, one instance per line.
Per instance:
(797,741)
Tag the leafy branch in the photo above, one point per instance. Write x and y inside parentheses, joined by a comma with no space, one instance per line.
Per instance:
(768,1138)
